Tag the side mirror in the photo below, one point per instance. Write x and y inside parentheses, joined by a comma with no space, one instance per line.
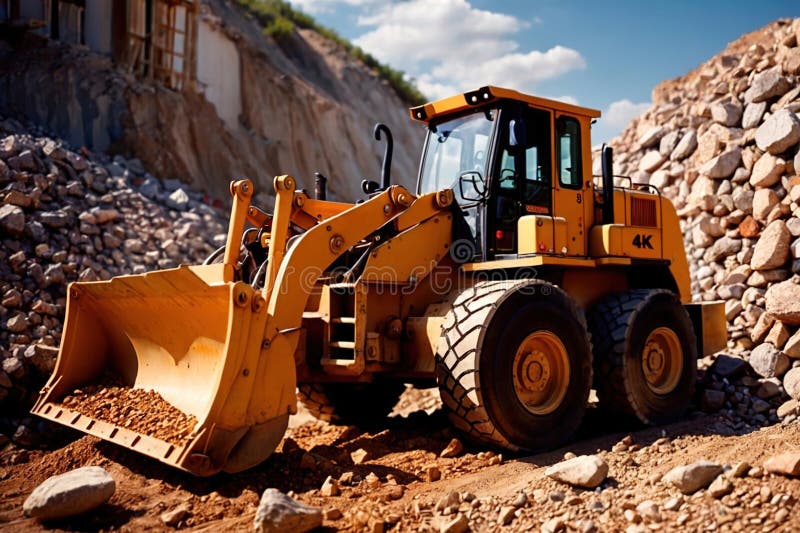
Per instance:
(472,186)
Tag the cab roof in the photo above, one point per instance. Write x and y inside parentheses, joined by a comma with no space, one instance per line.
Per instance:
(460,102)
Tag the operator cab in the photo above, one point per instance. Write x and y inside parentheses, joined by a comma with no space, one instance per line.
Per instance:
(512,161)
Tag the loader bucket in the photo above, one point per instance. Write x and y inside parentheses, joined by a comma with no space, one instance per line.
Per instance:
(164,364)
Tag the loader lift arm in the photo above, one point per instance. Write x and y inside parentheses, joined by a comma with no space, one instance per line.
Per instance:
(231,365)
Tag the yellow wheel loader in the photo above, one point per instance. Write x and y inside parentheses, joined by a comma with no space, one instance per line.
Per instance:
(511,277)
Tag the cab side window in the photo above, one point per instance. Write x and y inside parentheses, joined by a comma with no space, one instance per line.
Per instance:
(568,144)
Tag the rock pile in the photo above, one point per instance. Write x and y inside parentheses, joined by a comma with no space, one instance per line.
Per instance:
(67,216)
(143,411)
(723,143)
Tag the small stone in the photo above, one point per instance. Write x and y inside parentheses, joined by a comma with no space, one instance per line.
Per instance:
(720,487)
(330,487)
(739,469)
(749,229)
(506,515)
(332,514)
(459,524)
(359,456)
(372,481)
(178,200)
(690,478)
(395,492)
(586,471)
(75,492)
(432,473)
(674,503)
(175,516)
(453,449)
(521,500)
(787,408)
(278,512)
(785,464)
(712,400)
(554,525)
(307,461)
(451,499)
(648,509)
(77,162)
(17,323)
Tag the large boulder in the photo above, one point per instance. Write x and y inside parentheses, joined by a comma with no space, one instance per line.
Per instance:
(69,494)
(586,471)
(791,383)
(772,248)
(783,302)
(767,171)
(724,165)
(766,85)
(278,512)
(753,114)
(778,132)
(12,220)
(727,112)
(693,477)
(767,361)
(686,146)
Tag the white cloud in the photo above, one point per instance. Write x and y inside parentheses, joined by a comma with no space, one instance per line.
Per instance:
(325,6)
(620,113)
(449,46)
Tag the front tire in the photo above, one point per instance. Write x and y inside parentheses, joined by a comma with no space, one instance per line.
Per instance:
(514,364)
(645,354)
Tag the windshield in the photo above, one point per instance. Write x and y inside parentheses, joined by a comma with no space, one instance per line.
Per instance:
(456,146)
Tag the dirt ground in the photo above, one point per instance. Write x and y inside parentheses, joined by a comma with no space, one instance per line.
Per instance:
(390,489)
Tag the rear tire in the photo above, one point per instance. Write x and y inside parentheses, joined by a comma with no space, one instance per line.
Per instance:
(645,355)
(350,403)
(514,364)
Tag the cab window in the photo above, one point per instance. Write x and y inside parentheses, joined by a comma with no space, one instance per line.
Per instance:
(569,153)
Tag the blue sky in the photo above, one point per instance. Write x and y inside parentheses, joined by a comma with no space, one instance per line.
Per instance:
(605,55)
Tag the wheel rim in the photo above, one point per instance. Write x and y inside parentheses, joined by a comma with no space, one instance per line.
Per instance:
(662,360)
(541,372)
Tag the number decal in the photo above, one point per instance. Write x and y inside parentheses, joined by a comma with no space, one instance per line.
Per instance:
(642,241)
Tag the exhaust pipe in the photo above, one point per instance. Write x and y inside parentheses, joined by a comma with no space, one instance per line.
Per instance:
(387,155)
(607,166)
(320,186)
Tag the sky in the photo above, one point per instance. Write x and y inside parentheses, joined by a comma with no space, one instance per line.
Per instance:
(603,55)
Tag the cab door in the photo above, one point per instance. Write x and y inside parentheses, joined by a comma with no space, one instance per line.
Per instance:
(570,197)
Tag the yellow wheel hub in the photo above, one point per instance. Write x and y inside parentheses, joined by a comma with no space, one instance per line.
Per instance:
(541,372)
(662,360)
